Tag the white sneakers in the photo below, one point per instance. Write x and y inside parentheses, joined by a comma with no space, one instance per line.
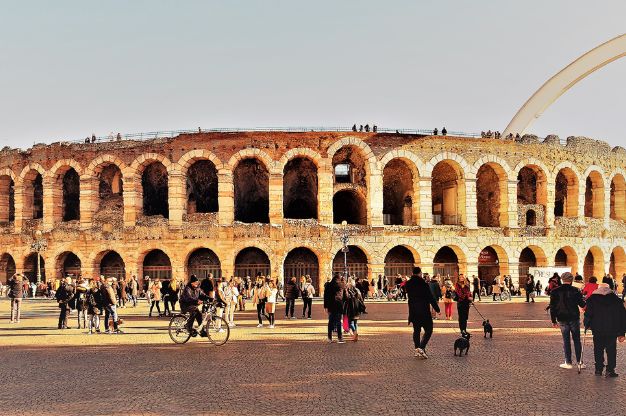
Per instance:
(566,366)
(420,353)
(259,326)
(271,327)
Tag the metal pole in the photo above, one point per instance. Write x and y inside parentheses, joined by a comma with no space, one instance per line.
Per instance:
(38,267)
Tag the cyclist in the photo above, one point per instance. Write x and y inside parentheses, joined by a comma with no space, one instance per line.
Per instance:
(191,297)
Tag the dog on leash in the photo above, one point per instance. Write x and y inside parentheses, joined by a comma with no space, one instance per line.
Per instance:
(462,343)
(488,328)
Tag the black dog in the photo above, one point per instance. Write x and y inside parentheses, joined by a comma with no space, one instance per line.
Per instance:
(462,343)
(488,328)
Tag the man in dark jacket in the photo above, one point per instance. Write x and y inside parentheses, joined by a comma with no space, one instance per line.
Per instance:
(476,288)
(606,316)
(334,299)
(63,296)
(110,306)
(292,292)
(191,297)
(421,299)
(565,301)
(15,291)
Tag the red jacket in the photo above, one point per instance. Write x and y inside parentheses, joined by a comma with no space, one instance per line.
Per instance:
(463,293)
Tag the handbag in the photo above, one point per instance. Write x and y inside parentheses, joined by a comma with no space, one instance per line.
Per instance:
(346,325)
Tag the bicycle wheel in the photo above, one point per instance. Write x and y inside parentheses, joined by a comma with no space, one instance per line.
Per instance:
(218,331)
(177,329)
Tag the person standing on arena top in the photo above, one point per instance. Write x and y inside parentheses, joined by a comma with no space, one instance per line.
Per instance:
(420,301)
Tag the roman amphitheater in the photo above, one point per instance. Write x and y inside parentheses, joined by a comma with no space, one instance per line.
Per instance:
(241,203)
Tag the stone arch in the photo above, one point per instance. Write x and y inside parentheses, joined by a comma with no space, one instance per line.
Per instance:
(7,196)
(594,263)
(358,262)
(566,257)
(301,188)
(541,171)
(492,195)
(594,193)
(31,185)
(552,89)
(146,159)
(400,259)
(400,241)
(67,263)
(448,191)
(104,183)
(30,267)
(450,260)
(303,152)
(618,196)
(155,263)
(7,267)
(253,153)
(530,256)
(96,165)
(252,261)
(153,190)
(566,190)
(201,186)
(493,260)
(302,261)
(356,142)
(109,263)
(189,158)
(64,178)
(617,265)
(351,206)
(251,180)
(401,188)
(203,261)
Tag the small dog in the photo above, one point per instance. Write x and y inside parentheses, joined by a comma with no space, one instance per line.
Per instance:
(488,328)
(462,343)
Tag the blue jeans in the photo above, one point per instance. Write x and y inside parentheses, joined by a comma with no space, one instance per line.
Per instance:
(110,311)
(354,325)
(334,322)
(571,328)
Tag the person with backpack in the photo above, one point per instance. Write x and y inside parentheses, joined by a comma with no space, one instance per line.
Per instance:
(606,317)
(565,302)
(354,307)
(308,292)
(553,283)
(291,294)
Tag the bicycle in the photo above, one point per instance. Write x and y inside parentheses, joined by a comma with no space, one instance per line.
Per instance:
(505,294)
(213,326)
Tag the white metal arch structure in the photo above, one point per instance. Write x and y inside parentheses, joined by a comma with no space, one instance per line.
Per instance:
(564,80)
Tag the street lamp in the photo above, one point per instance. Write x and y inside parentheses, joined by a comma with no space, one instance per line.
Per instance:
(344,240)
(39,245)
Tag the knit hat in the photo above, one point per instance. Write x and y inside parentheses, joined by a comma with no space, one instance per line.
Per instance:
(193,279)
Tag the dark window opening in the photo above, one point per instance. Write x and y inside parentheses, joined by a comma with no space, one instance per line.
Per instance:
(204,262)
(112,265)
(397,194)
(350,207)
(531,218)
(154,182)
(252,262)
(71,196)
(251,182)
(300,189)
(202,188)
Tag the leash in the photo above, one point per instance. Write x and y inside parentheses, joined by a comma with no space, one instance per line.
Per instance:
(481,315)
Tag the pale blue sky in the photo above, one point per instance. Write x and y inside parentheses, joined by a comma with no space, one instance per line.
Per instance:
(70,68)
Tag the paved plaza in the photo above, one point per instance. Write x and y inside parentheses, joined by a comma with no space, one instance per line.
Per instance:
(292,370)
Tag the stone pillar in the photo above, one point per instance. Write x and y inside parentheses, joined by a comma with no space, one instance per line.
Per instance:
(428,267)
(471,269)
(375,270)
(514,273)
(131,202)
(88,195)
(375,191)
(276,198)
(5,186)
(225,197)
(49,192)
(581,204)
(471,215)
(176,198)
(512,204)
(325,194)
(549,216)
(607,208)
(19,206)
(425,202)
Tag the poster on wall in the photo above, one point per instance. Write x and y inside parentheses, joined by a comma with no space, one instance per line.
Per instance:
(543,274)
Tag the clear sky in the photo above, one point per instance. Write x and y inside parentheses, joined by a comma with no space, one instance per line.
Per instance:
(72,68)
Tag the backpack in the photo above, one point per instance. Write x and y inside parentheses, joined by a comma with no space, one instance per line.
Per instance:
(305,291)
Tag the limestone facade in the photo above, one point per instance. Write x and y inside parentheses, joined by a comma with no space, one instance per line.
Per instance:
(438,202)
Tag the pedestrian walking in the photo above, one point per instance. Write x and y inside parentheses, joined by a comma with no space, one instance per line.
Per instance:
(530,288)
(15,291)
(134,290)
(259,297)
(173,298)
(353,309)
(232,294)
(448,297)
(308,292)
(463,302)
(155,297)
(165,297)
(63,297)
(475,288)
(110,307)
(496,288)
(95,306)
(270,305)
(606,317)
(590,287)
(436,291)
(207,286)
(334,299)
(421,299)
(291,294)
(564,303)
(122,292)
(81,302)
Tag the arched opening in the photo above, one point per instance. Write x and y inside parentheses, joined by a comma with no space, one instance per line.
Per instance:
(566,194)
(530,257)
(398,193)
(491,196)
(203,262)
(112,265)
(532,192)
(399,260)
(594,264)
(448,193)
(566,257)
(349,166)
(302,262)
(251,179)
(349,206)
(7,267)
(252,262)
(300,189)
(110,190)
(594,196)
(157,265)
(7,200)
(531,218)
(488,265)
(618,198)
(202,190)
(617,268)
(66,195)
(32,196)
(30,267)
(154,185)
(68,264)
(446,263)
(357,263)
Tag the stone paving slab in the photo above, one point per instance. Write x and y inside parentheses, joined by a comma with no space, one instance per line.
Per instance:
(291,370)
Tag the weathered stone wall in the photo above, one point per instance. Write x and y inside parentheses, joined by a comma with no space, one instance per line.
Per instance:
(122,227)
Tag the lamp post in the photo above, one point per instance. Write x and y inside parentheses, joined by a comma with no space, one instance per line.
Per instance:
(39,245)
(344,240)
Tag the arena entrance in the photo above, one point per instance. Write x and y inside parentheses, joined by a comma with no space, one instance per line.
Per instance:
(7,267)
(204,262)
(446,263)
(399,260)
(112,265)
(252,262)
(488,265)
(301,262)
(157,265)
(357,263)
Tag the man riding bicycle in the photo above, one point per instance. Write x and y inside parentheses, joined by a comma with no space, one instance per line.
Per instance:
(191,297)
